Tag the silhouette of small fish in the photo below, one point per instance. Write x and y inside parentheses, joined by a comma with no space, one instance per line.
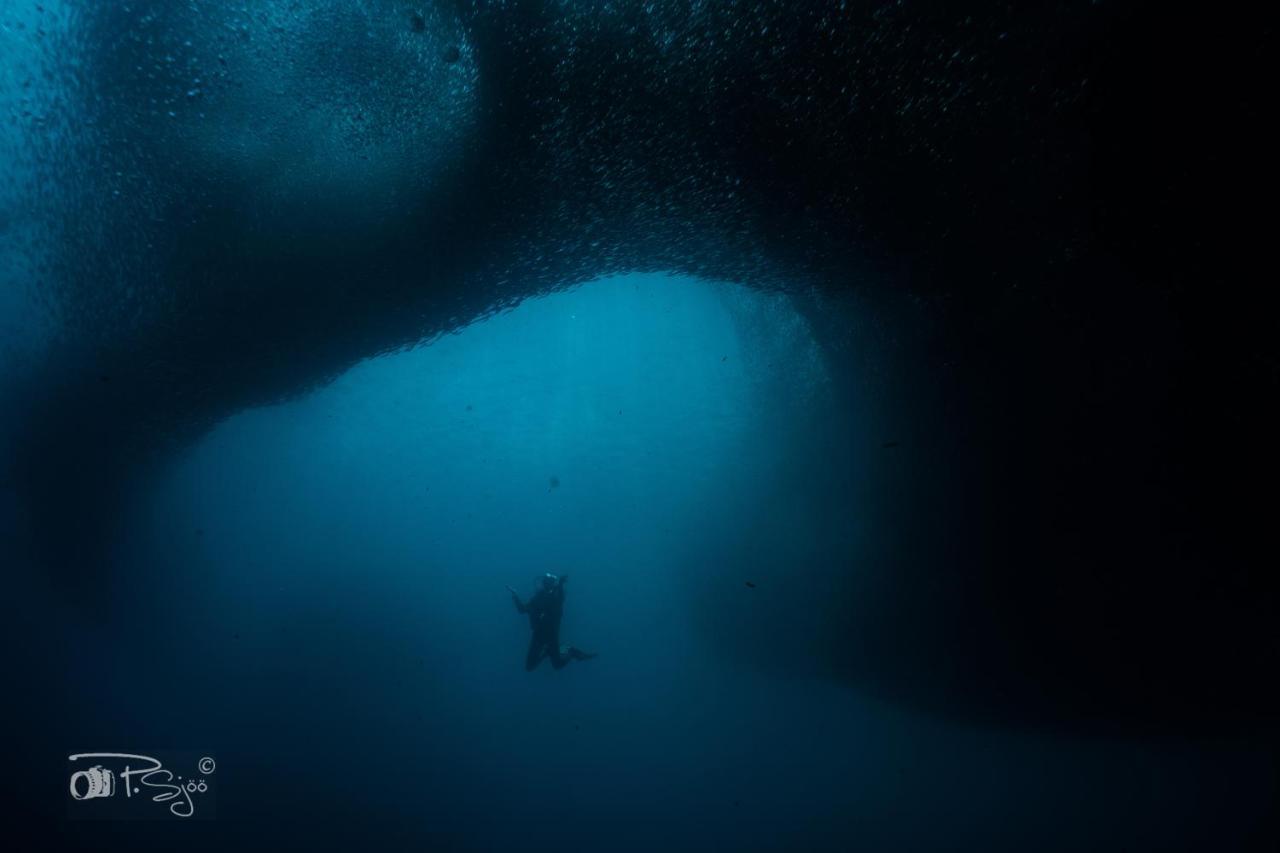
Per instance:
(553,483)
(890,444)
(750,584)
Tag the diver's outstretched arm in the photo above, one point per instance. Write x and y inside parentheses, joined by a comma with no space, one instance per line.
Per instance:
(521,607)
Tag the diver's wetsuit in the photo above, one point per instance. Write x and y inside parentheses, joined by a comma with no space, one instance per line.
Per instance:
(545,609)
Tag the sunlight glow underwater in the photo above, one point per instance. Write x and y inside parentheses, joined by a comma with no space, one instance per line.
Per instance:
(315,591)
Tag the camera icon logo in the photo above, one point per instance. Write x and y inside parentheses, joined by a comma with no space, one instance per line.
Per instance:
(96,783)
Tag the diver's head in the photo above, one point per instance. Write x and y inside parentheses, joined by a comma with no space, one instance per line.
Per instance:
(549,581)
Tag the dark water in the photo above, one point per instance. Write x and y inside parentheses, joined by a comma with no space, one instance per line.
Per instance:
(881,376)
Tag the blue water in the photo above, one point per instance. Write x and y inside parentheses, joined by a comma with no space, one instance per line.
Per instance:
(314,593)
(920,512)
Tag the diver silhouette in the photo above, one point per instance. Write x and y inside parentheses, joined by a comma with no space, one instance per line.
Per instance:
(545,609)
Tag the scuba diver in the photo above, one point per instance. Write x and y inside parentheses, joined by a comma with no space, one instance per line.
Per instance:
(545,609)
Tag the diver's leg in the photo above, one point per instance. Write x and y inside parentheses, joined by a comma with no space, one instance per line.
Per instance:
(557,653)
(561,655)
(537,648)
